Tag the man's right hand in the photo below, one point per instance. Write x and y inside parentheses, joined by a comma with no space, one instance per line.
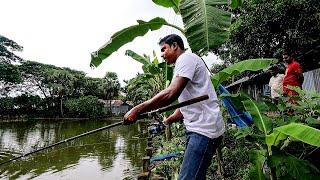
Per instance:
(175,117)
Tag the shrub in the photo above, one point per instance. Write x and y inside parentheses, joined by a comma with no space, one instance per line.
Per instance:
(86,106)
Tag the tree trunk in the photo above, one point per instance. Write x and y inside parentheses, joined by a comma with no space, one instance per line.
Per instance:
(61,107)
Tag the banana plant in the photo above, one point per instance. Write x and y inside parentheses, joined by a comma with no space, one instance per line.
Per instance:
(158,75)
(206,27)
(275,158)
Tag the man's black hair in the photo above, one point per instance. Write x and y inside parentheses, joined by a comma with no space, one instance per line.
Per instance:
(287,52)
(170,39)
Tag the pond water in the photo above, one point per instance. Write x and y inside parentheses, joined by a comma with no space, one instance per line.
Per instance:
(109,154)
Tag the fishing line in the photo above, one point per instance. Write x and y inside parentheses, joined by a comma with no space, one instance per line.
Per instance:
(100,143)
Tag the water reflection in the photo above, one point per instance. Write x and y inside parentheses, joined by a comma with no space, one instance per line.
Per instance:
(111,154)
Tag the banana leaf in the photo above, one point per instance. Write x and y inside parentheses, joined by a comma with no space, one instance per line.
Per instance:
(169,4)
(263,123)
(206,24)
(123,37)
(236,3)
(257,158)
(298,131)
(240,67)
(141,59)
(290,167)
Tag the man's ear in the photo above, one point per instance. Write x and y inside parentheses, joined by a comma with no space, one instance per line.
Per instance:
(175,45)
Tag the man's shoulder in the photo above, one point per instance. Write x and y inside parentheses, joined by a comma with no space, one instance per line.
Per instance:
(295,64)
(190,54)
(188,57)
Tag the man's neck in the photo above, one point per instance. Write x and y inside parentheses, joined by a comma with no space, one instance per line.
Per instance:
(180,52)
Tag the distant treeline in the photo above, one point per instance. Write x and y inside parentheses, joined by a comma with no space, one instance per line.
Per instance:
(34,89)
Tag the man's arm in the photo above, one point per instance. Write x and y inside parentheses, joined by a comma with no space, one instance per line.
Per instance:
(175,117)
(163,98)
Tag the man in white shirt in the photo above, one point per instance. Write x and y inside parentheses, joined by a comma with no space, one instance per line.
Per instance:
(203,120)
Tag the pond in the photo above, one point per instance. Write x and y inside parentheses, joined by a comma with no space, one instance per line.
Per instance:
(109,154)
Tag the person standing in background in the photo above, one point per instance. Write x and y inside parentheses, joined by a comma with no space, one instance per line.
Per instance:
(293,75)
(275,83)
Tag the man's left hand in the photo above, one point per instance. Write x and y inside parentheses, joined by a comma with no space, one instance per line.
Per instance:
(131,116)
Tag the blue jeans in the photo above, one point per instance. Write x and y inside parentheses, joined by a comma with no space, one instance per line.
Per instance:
(197,156)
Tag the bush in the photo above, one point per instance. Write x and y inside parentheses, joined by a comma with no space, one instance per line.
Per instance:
(86,106)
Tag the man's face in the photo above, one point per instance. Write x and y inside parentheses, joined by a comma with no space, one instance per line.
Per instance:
(287,59)
(273,73)
(168,53)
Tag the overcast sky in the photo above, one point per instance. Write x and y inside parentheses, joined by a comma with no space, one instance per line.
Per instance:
(65,32)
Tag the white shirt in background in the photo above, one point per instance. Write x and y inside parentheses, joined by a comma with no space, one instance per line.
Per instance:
(275,84)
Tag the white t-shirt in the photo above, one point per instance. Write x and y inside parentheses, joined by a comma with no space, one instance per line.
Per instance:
(203,117)
(275,84)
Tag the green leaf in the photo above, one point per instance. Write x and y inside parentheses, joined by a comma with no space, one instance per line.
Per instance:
(236,3)
(257,158)
(153,69)
(137,57)
(240,67)
(275,138)
(123,37)
(301,132)
(263,123)
(295,168)
(169,4)
(312,121)
(206,24)
(243,132)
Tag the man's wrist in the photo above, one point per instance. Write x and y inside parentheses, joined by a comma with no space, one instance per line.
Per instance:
(166,122)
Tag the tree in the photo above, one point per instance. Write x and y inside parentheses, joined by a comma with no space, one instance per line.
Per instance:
(85,106)
(110,86)
(7,46)
(37,74)
(138,89)
(8,72)
(265,28)
(60,85)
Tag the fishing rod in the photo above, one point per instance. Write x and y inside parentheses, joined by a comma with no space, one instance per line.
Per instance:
(144,115)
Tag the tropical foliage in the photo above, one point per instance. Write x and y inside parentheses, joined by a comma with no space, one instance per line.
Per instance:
(277,132)
(156,77)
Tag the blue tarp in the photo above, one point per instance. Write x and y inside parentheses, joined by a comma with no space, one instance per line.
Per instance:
(165,157)
(241,119)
